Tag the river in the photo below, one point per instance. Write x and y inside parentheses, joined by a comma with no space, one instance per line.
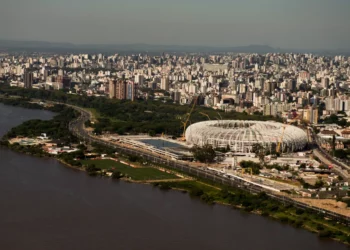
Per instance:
(47,206)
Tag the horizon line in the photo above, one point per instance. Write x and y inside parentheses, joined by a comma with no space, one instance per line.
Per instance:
(179,45)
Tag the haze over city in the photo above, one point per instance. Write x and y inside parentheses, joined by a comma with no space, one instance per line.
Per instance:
(157,124)
(312,24)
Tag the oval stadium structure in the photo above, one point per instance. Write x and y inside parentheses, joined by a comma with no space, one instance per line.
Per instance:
(241,135)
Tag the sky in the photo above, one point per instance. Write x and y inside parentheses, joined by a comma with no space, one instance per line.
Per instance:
(292,24)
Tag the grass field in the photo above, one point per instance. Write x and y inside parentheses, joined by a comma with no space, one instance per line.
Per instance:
(188,185)
(134,173)
(97,115)
(93,112)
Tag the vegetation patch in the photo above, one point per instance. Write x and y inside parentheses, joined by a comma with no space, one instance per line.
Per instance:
(141,174)
(124,116)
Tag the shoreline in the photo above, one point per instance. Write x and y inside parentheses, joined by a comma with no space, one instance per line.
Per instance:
(188,190)
(66,164)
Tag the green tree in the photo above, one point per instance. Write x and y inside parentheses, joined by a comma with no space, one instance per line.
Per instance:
(319,184)
(195,191)
(90,167)
(260,151)
(205,154)
(116,175)
(250,164)
(302,166)
(340,153)
(82,147)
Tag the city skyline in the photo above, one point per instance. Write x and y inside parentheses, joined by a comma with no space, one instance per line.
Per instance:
(279,24)
(175,124)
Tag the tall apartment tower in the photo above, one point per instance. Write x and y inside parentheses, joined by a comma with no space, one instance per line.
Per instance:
(120,90)
(28,79)
(112,89)
(46,74)
(130,91)
(314,116)
(164,83)
(310,115)
(325,82)
(292,84)
(139,79)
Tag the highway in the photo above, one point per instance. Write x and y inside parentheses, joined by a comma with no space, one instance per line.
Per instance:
(77,127)
(338,167)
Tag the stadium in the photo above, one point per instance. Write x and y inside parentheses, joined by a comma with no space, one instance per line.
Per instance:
(241,135)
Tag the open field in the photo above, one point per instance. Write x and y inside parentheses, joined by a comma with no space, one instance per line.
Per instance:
(328,204)
(134,173)
(187,185)
(96,115)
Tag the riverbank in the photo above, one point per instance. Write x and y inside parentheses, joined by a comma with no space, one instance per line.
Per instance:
(259,204)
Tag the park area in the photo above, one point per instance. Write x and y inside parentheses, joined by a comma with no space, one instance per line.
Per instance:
(135,173)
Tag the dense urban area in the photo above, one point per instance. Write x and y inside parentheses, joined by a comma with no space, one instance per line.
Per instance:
(274,126)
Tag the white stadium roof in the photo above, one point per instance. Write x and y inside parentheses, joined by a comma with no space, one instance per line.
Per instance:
(241,135)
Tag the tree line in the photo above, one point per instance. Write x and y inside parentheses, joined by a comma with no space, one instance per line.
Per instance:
(140,116)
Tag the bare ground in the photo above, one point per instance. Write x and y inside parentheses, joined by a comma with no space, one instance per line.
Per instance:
(327,204)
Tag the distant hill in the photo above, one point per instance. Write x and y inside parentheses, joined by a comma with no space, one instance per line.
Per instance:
(32,44)
(69,47)
(39,46)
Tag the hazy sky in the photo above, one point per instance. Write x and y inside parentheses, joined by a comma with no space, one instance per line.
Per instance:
(303,24)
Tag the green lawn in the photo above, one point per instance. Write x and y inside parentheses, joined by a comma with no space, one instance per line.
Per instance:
(134,173)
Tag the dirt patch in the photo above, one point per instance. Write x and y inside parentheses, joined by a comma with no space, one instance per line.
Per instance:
(327,204)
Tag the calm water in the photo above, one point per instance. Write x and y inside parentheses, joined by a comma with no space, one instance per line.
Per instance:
(47,206)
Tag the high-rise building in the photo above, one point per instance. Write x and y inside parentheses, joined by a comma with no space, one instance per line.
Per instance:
(293,85)
(249,96)
(310,115)
(53,62)
(120,90)
(274,110)
(139,79)
(177,96)
(165,83)
(152,85)
(259,83)
(46,74)
(28,79)
(112,88)
(66,82)
(242,88)
(267,87)
(304,76)
(267,109)
(273,85)
(60,63)
(314,116)
(212,79)
(59,79)
(325,82)
(130,91)
(306,115)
